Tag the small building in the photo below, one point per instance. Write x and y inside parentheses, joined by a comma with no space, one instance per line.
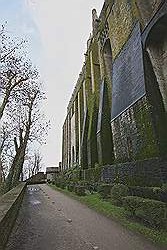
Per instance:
(52,173)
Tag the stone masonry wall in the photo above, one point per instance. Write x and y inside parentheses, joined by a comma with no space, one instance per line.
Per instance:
(152,172)
(133,134)
(116,55)
(9,207)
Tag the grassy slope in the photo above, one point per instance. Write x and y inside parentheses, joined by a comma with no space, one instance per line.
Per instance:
(118,213)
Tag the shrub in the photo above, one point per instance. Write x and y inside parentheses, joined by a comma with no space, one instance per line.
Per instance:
(154,193)
(57,183)
(94,186)
(164,187)
(73,174)
(164,192)
(80,190)
(118,191)
(62,185)
(70,187)
(145,192)
(105,190)
(60,182)
(150,211)
(91,187)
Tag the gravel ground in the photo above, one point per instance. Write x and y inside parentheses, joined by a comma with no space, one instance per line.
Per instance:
(50,220)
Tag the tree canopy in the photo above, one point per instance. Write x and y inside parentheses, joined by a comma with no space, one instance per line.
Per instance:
(23,123)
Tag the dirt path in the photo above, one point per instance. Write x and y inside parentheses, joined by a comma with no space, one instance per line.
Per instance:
(49,220)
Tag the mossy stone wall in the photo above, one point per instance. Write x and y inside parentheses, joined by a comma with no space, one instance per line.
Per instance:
(133,134)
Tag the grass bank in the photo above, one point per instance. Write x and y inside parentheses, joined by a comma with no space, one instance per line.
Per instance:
(117,213)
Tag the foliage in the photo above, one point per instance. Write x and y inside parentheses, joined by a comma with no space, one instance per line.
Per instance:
(92,186)
(80,190)
(118,191)
(73,174)
(155,193)
(60,181)
(70,187)
(151,211)
(164,187)
(104,190)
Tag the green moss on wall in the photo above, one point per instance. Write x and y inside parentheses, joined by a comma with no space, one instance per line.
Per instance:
(95,70)
(121,21)
(133,134)
(146,10)
(148,148)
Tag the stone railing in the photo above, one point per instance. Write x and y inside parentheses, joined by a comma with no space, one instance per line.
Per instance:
(9,207)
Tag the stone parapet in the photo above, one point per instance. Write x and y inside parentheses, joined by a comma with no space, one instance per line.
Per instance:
(9,207)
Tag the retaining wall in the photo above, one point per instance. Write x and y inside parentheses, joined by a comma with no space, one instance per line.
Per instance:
(9,207)
(151,172)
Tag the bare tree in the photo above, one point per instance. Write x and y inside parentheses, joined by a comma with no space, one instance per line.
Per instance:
(29,127)
(15,72)
(6,145)
(34,163)
(23,121)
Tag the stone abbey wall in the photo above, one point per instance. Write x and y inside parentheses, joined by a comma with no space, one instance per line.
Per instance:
(117,112)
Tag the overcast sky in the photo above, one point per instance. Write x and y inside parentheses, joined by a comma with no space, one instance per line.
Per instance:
(57,32)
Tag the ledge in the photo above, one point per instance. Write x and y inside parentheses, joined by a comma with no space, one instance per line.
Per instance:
(9,207)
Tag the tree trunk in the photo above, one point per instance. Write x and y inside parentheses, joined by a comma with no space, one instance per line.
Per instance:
(18,168)
(11,171)
(1,172)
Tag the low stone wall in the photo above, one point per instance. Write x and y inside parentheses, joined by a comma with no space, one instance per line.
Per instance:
(9,207)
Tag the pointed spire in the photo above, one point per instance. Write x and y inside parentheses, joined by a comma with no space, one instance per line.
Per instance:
(95,20)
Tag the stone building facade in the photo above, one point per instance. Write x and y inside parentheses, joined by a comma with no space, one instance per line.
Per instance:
(118,110)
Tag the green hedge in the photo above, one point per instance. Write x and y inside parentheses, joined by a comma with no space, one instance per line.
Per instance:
(105,190)
(80,190)
(154,193)
(60,182)
(70,187)
(150,211)
(118,191)
(164,187)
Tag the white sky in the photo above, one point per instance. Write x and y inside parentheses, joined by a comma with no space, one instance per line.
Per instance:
(58,31)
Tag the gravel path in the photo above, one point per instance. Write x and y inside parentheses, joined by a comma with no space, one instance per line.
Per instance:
(49,220)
